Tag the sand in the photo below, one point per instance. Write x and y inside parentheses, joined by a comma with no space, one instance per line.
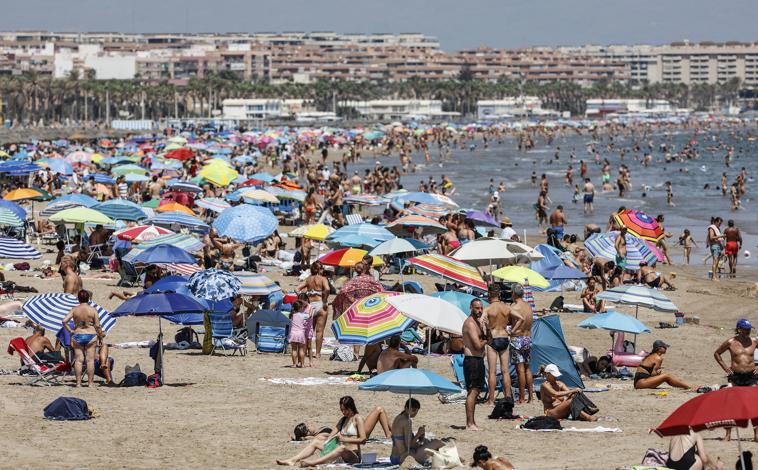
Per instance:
(217,412)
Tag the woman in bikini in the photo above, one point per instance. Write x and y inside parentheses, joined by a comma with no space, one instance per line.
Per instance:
(406,444)
(316,286)
(305,432)
(309,206)
(650,374)
(558,399)
(343,443)
(84,336)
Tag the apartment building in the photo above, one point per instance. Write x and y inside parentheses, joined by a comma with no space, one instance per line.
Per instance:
(396,110)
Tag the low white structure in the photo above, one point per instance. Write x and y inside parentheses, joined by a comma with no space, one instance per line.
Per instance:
(603,107)
(249,109)
(394,110)
(515,106)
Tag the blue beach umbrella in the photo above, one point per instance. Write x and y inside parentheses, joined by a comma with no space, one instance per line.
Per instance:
(158,304)
(639,296)
(180,218)
(461,300)
(16,249)
(246,223)
(563,272)
(355,241)
(269,317)
(602,245)
(364,229)
(101,178)
(165,254)
(214,284)
(59,165)
(121,209)
(13,207)
(410,381)
(9,218)
(614,321)
(76,198)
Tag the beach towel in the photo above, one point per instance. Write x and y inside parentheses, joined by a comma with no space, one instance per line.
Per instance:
(573,429)
(337,380)
(67,409)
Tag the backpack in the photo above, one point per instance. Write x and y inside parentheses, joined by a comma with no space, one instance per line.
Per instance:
(343,353)
(186,334)
(557,304)
(134,379)
(154,381)
(503,409)
(542,422)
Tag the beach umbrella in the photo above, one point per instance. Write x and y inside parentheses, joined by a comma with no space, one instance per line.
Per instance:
(9,218)
(347,257)
(365,229)
(218,173)
(450,268)
(398,245)
(164,253)
(433,211)
(410,381)
(246,223)
(215,204)
(370,320)
(354,241)
(151,203)
(259,195)
(265,177)
(55,207)
(431,311)
(366,200)
(317,232)
(414,223)
(22,194)
(16,249)
(19,211)
(602,245)
(180,154)
(102,179)
(179,240)
(640,224)
(50,309)
(255,284)
(78,199)
(564,273)
(726,408)
(461,300)
(269,317)
(121,209)
(285,193)
(521,275)
(79,157)
(482,218)
(639,296)
(81,215)
(175,207)
(142,233)
(135,178)
(129,169)
(181,219)
(58,165)
(214,284)
(495,251)
(614,321)
(421,198)
(185,186)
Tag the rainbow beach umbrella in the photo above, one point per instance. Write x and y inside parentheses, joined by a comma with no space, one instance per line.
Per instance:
(347,258)
(370,320)
(640,224)
(451,269)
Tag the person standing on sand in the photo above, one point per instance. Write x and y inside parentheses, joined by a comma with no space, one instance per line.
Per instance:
(713,239)
(72,283)
(520,322)
(741,372)
(498,317)
(662,245)
(316,287)
(733,245)
(474,342)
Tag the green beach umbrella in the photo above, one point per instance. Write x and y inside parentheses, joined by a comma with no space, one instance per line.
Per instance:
(152,203)
(129,169)
(7,217)
(81,215)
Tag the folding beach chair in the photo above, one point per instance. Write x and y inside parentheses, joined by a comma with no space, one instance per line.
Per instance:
(128,273)
(270,338)
(95,251)
(353,219)
(456,361)
(40,372)
(223,336)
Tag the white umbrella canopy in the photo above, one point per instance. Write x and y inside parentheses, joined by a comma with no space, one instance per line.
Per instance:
(495,251)
(431,311)
(398,245)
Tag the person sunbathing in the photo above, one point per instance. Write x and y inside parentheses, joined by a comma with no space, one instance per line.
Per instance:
(406,444)
(649,373)
(648,275)
(561,402)
(392,358)
(41,346)
(306,432)
(344,442)
(483,459)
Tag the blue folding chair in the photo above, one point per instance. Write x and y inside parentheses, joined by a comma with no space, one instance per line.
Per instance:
(271,339)
(222,335)
(456,361)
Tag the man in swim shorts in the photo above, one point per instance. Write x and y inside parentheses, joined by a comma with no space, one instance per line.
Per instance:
(498,315)
(474,342)
(733,239)
(520,321)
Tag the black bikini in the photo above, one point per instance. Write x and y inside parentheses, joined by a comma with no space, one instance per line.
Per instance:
(642,375)
(685,462)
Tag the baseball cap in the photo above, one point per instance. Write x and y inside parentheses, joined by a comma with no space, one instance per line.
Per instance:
(659,344)
(553,370)
(744,324)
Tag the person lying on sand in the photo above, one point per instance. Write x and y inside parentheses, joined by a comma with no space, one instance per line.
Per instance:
(650,374)
(483,459)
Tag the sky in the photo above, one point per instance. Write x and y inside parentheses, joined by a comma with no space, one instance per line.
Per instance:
(458,24)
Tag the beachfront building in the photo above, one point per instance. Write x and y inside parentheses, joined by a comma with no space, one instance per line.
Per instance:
(256,109)
(396,110)
(517,106)
(598,108)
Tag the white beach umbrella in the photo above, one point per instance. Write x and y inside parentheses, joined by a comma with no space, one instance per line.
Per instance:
(431,311)
(495,251)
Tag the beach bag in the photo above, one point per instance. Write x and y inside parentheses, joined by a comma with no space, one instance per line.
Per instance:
(186,334)
(655,458)
(154,381)
(445,457)
(542,422)
(23,266)
(557,304)
(133,377)
(503,409)
(343,353)
(67,409)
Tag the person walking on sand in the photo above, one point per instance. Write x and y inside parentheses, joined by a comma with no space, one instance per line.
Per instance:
(316,287)
(733,239)
(741,372)
(520,322)
(498,317)
(713,239)
(474,342)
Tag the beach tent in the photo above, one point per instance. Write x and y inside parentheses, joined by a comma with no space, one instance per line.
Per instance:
(549,347)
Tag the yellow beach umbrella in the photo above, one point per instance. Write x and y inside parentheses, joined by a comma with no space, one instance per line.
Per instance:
(218,174)
(21,194)
(317,232)
(520,274)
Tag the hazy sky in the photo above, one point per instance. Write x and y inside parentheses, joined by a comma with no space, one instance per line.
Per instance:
(457,23)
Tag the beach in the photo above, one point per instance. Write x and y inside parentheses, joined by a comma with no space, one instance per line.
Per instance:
(221,412)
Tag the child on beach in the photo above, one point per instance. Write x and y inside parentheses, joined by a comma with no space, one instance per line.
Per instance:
(575,199)
(300,328)
(686,240)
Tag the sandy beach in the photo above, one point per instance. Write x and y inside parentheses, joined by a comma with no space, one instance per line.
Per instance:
(221,412)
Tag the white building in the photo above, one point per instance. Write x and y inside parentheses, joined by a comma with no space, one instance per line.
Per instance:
(394,110)
(516,106)
(249,109)
(603,107)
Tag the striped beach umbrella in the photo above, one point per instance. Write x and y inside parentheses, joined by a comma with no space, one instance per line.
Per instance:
(640,224)
(602,245)
(413,223)
(370,320)
(180,240)
(121,209)
(256,284)
(9,218)
(50,309)
(347,257)
(183,269)
(450,268)
(181,219)
(16,249)
(246,223)
(79,157)
(216,204)
(365,229)
(143,233)
(19,211)
(56,207)
(433,211)
(639,296)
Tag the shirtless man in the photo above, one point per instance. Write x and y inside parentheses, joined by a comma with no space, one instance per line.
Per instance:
(733,245)
(557,221)
(742,371)
(226,248)
(317,288)
(474,341)
(589,196)
(520,321)
(38,344)
(72,283)
(498,315)
(392,358)
(601,270)
(620,245)
(156,185)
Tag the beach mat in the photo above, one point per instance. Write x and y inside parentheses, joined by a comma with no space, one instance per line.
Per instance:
(572,429)
(333,380)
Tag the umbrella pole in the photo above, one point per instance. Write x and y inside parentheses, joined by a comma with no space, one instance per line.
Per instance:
(636,313)
(160,349)
(739,447)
